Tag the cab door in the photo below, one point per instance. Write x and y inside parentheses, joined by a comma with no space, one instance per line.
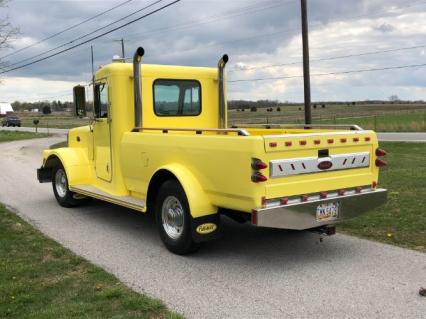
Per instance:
(102,132)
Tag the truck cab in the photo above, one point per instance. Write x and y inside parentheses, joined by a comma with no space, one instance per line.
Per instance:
(159,142)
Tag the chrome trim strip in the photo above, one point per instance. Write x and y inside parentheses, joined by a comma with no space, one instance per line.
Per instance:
(218,130)
(329,126)
(307,165)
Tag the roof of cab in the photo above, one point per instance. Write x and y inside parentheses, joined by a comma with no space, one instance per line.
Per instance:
(158,71)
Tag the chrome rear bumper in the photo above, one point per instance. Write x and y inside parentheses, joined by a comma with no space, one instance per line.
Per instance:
(302,215)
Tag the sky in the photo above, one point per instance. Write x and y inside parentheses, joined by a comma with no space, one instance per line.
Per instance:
(261,37)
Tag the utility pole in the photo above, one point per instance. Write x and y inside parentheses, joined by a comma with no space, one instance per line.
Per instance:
(123,55)
(306,73)
(93,64)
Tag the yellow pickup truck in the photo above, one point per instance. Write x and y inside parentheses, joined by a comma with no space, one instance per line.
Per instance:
(159,142)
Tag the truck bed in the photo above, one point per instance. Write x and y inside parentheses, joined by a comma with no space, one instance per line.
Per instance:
(222,160)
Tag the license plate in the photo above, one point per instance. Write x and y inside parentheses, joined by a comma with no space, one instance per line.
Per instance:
(328,211)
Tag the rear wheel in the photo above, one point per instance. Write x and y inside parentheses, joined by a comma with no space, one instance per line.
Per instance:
(61,190)
(174,219)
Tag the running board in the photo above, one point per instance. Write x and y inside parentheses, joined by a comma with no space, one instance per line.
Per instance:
(126,201)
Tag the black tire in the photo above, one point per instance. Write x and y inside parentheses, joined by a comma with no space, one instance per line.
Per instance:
(184,244)
(65,197)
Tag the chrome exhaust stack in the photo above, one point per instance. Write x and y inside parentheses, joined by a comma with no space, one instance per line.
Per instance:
(222,102)
(137,90)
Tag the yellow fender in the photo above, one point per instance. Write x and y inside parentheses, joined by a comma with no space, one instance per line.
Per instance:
(199,202)
(74,161)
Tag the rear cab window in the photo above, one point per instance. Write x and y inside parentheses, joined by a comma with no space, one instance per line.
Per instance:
(177,97)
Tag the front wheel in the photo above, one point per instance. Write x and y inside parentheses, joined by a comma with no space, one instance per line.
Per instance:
(174,219)
(61,190)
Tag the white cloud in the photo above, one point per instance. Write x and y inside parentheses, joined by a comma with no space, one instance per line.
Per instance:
(34,89)
(254,33)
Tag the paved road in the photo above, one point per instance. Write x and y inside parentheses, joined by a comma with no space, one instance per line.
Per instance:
(32,129)
(250,273)
(402,137)
(394,137)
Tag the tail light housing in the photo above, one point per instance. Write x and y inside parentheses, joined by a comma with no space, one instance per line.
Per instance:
(380,152)
(258,177)
(257,164)
(380,162)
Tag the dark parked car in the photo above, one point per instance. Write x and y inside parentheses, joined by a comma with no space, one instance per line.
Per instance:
(11,120)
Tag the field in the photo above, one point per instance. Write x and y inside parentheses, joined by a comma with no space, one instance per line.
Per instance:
(380,117)
(402,221)
(55,120)
(6,136)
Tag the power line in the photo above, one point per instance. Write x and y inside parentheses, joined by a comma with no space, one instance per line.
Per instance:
(213,18)
(93,38)
(332,73)
(85,35)
(67,29)
(332,58)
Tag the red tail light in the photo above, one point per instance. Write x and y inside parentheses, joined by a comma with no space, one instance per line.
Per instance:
(317,142)
(380,152)
(323,195)
(358,189)
(284,201)
(273,144)
(254,217)
(258,177)
(305,198)
(342,192)
(343,140)
(257,164)
(380,163)
(288,143)
(330,141)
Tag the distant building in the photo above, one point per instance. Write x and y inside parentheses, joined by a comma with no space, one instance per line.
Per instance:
(5,108)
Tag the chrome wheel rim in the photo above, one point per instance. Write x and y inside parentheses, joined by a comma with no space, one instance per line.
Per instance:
(172,217)
(61,183)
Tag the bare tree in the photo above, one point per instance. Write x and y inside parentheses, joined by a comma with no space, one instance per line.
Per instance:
(7,31)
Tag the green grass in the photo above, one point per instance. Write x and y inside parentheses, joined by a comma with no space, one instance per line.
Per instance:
(379,117)
(390,117)
(41,279)
(403,122)
(402,221)
(6,136)
(53,120)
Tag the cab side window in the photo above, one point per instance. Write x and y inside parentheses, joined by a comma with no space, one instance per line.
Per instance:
(101,100)
(177,97)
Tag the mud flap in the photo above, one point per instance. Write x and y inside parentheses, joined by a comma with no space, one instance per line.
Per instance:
(206,228)
(44,175)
